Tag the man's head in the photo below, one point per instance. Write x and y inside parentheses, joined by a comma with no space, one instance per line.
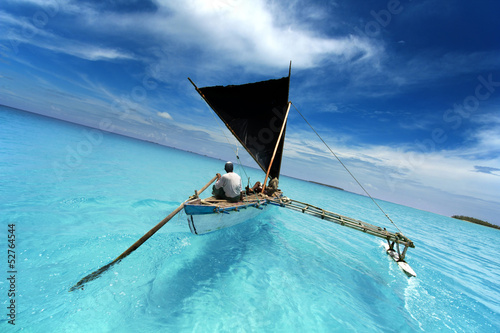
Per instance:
(228,167)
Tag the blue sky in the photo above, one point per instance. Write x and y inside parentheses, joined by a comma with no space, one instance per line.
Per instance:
(407,93)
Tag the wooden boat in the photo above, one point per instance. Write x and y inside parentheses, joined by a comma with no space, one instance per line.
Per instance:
(213,214)
(256,114)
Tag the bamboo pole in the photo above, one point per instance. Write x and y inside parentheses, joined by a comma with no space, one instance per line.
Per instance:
(94,275)
(276,147)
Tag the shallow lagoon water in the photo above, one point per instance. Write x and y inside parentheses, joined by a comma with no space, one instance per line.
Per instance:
(79,197)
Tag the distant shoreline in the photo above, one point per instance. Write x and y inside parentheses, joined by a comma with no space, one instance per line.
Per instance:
(335,187)
(476,221)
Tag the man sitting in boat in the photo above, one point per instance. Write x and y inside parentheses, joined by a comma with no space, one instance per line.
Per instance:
(228,186)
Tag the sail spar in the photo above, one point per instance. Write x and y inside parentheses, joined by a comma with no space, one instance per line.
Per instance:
(255,114)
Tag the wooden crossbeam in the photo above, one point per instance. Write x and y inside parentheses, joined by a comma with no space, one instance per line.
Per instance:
(344,221)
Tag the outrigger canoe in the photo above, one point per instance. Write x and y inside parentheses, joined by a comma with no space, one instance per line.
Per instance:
(256,114)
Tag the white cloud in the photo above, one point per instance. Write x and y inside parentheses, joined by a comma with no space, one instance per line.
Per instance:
(165,115)
(488,137)
(53,7)
(23,31)
(398,173)
(243,33)
(220,33)
(248,33)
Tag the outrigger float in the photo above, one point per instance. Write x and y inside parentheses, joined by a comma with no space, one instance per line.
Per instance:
(256,114)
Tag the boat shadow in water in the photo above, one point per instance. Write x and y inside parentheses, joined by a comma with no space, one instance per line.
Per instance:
(203,266)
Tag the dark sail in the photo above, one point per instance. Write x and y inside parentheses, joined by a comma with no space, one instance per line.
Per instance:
(254,113)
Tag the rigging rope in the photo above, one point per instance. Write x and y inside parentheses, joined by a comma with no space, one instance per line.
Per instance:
(345,167)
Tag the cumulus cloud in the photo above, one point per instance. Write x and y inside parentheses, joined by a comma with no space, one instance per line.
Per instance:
(251,32)
(241,33)
(165,115)
(392,168)
(256,35)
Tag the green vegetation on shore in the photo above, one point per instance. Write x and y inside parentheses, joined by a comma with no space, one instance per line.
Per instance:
(477,221)
(338,188)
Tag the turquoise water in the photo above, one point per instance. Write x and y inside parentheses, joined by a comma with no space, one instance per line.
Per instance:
(79,197)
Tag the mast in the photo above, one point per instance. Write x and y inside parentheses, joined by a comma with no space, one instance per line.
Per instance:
(282,129)
(276,147)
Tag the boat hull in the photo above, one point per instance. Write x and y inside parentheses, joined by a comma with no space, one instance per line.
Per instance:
(204,219)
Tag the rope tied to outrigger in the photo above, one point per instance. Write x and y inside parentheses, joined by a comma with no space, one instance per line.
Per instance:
(345,167)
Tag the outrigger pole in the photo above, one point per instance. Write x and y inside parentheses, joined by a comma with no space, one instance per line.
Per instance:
(94,275)
(394,240)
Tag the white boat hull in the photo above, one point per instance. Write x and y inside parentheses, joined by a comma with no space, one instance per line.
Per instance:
(205,219)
